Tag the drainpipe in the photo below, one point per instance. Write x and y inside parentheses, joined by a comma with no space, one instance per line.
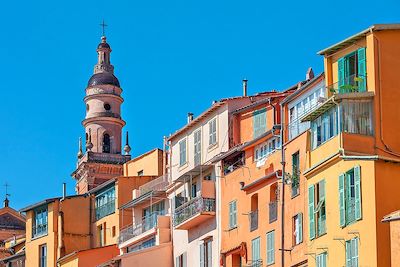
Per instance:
(283,189)
(60,249)
(269,101)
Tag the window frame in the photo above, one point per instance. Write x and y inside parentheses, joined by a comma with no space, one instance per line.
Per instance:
(212,132)
(197,147)
(105,198)
(182,152)
(43,256)
(41,212)
(270,257)
(233,214)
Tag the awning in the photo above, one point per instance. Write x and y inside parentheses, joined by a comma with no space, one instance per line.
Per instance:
(261,180)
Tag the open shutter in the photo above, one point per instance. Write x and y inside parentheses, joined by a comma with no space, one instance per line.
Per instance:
(209,253)
(348,253)
(234,213)
(357,185)
(311,216)
(362,69)
(256,124)
(231,215)
(341,74)
(314,141)
(184,259)
(342,211)
(202,262)
(272,246)
(300,232)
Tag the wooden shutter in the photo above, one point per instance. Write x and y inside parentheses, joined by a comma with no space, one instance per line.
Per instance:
(300,232)
(341,73)
(311,216)
(357,189)
(184,259)
(314,141)
(362,69)
(230,214)
(255,249)
(202,262)
(348,253)
(342,210)
(234,213)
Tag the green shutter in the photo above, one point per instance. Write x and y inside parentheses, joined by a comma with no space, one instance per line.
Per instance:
(348,253)
(256,124)
(209,253)
(235,213)
(341,74)
(300,233)
(311,216)
(357,185)
(362,69)
(230,215)
(342,211)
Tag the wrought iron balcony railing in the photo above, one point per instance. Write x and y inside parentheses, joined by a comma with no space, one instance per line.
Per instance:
(351,84)
(158,184)
(193,207)
(273,211)
(253,216)
(133,230)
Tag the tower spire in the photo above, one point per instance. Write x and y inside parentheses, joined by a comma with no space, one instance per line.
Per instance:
(103,26)
(80,152)
(127,148)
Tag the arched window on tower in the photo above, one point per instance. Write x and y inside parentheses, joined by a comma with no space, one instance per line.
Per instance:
(106,143)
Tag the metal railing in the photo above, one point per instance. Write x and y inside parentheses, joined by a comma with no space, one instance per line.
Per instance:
(133,230)
(351,84)
(193,207)
(273,211)
(39,230)
(105,209)
(253,216)
(158,184)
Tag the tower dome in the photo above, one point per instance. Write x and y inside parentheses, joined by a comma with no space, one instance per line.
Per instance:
(103,78)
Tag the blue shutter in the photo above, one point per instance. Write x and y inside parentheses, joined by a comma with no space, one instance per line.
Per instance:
(342,210)
(202,262)
(348,253)
(311,216)
(357,188)
(362,70)
(209,253)
(341,73)
(271,247)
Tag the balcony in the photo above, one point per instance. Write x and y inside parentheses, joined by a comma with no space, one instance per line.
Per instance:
(273,211)
(193,212)
(105,209)
(104,158)
(135,230)
(253,216)
(351,84)
(158,184)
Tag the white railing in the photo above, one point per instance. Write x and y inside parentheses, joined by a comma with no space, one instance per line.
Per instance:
(192,208)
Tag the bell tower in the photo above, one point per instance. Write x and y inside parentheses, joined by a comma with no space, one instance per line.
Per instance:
(103,126)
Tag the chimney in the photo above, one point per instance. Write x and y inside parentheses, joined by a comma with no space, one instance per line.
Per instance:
(244,87)
(64,190)
(189,117)
(309,74)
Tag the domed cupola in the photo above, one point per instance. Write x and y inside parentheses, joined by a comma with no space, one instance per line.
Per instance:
(103,78)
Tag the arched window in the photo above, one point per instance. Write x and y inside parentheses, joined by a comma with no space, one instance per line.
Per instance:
(106,143)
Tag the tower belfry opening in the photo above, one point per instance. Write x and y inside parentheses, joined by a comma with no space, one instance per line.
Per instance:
(103,125)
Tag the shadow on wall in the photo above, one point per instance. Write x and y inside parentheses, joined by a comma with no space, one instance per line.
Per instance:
(202,229)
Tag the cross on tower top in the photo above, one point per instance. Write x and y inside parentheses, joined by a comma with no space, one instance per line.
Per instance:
(6,185)
(103,25)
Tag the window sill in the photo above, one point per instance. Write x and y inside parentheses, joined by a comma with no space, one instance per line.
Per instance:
(212,147)
(294,196)
(39,236)
(183,166)
(232,228)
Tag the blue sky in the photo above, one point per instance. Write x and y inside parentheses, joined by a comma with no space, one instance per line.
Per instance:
(171,57)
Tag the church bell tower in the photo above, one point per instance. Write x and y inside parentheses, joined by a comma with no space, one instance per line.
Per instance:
(103,126)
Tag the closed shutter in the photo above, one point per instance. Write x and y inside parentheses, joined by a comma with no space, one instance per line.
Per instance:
(209,253)
(355,252)
(362,70)
(348,253)
(342,210)
(271,247)
(202,262)
(300,232)
(341,74)
(357,185)
(259,122)
(234,212)
(231,215)
(255,249)
(314,141)
(311,216)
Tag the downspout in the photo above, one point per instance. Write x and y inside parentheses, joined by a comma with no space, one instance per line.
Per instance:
(60,249)
(283,188)
(269,101)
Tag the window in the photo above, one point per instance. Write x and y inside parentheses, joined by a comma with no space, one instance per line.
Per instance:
(105,203)
(352,252)
(197,147)
(142,245)
(298,229)
(232,214)
(212,129)
(140,173)
(255,250)
(316,209)
(321,259)
(263,150)
(206,253)
(193,190)
(113,231)
(324,127)
(182,152)
(259,122)
(270,247)
(350,196)
(106,143)
(180,261)
(352,72)
(39,226)
(356,116)
(100,234)
(295,174)
(43,256)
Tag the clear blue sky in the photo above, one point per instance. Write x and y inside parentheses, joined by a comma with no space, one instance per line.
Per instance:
(171,57)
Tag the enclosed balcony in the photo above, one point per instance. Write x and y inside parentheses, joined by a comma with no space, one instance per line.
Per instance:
(141,230)
(194,212)
(253,216)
